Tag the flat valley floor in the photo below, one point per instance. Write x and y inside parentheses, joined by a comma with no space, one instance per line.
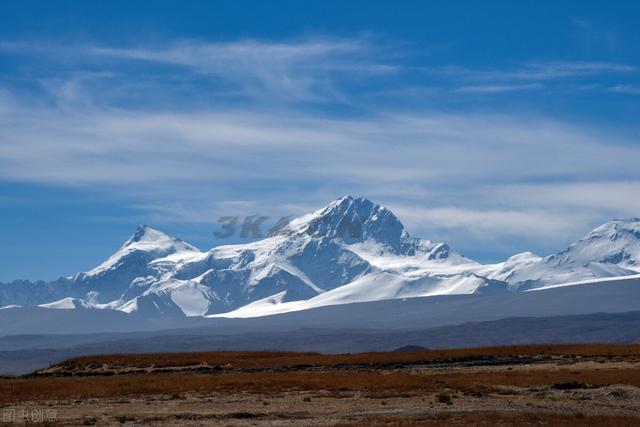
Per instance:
(517,385)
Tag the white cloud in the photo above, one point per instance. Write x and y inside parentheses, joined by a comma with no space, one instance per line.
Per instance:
(628,89)
(305,70)
(115,147)
(536,71)
(498,88)
(197,166)
(486,175)
(543,217)
(601,199)
(562,69)
(493,224)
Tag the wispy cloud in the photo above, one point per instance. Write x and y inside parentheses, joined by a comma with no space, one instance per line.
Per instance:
(481,173)
(606,198)
(626,88)
(535,76)
(314,69)
(117,147)
(499,88)
(307,70)
(193,166)
(493,224)
(252,57)
(564,69)
(538,71)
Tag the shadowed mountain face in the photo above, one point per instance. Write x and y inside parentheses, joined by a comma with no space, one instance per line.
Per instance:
(352,250)
(359,220)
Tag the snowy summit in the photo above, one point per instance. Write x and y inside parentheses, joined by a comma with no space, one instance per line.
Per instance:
(352,250)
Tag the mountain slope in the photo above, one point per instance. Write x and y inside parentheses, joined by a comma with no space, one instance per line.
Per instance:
(351,241)
(352,250)
(315,255)
(611,250)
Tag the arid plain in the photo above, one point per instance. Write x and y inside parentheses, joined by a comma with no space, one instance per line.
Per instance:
(517,385)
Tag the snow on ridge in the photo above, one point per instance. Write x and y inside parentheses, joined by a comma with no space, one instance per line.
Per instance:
(587,282)
(65,304)
(352,250)
(148,240)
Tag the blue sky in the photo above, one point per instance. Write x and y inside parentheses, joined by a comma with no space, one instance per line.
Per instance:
(498,127)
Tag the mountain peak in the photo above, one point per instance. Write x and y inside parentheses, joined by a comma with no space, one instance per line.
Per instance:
(145,244)
(347,204)
(147,238)
(615,225)
(146,234)
(614,242)
(356,219)
(614,230)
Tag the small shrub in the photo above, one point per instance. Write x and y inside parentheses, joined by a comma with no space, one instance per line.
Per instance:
(569,385)
(242,415)
(617,394)
(444,398)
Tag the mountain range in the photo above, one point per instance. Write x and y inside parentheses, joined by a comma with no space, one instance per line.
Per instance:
(353,250)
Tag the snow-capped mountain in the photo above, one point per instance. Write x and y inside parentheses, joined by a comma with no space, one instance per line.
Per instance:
(611,250)
(130,266)
(314,256)
(104,284)
(350,251)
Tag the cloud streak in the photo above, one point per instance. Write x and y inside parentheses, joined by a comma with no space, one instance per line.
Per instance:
(175,165)
(626,89)
(113,147)
(306,70)
(539,71)
(477,175)
(499,88)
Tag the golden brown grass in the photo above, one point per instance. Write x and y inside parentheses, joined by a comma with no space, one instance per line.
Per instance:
(266,360)
(498,418)
(372,383)
(379,378)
